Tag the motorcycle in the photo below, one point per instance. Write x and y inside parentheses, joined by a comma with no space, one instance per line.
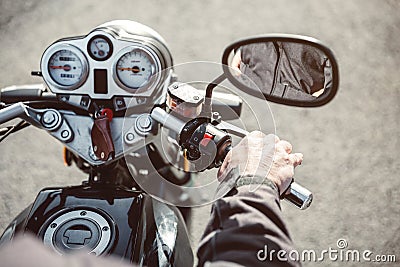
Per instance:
(113,99)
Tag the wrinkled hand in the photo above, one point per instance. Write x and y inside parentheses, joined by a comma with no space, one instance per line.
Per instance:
(264,156)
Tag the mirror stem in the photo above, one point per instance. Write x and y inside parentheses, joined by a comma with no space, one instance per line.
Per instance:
(206,109)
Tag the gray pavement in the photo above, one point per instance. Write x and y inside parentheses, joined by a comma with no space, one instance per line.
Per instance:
(350,145)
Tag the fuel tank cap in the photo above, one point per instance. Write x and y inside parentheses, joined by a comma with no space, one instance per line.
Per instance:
(79,229)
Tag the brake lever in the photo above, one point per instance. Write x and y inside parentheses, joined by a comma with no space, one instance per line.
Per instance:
(232,129)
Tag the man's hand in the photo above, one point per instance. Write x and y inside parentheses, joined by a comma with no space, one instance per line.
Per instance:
(265,156)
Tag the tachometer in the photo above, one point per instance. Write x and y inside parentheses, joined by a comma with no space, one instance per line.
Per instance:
(66,67)
(136,69)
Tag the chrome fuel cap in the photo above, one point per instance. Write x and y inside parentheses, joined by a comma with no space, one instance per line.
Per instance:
(78,229)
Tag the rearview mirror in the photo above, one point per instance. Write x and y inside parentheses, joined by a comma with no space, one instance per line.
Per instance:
(288,69)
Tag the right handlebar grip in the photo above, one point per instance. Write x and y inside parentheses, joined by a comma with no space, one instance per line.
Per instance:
(299,196)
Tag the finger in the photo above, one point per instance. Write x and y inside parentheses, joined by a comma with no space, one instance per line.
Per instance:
(296,159)
(285,145)
(225,163)
(256,134)
(272,137)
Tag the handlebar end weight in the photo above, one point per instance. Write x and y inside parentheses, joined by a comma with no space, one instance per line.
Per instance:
(299,196)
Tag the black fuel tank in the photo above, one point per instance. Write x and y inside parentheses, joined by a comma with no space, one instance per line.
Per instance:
(97,218)
(108,220)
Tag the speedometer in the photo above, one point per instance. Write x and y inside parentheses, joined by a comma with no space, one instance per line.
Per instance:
(136,69)
(66,67)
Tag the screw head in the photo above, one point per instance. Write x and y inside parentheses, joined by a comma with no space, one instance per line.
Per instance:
(83,213)
(48,117)
(130,137)
(53,225)
(64,134)
(105,228)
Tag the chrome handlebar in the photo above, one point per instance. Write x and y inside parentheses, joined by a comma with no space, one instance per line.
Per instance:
(298,195)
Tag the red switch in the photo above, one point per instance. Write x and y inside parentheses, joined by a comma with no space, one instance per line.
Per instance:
(208,136)
(206,139)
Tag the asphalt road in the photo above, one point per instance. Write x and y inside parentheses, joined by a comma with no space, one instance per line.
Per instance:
(350,145)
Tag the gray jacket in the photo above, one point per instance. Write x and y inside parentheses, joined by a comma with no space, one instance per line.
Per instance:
(244,228)
(288,70)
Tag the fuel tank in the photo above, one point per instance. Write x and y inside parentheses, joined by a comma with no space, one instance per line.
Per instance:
(104,219)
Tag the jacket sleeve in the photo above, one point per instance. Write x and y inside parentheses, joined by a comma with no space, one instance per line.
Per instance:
(246,229)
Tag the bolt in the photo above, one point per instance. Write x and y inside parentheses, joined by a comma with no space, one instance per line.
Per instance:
(53,225)
(65,134)
(216,117)
(49,117)
(196,97)
(105,228)
(145,122)
(102,155)
(95,148)
(175,86)
(83,213)
(130,137)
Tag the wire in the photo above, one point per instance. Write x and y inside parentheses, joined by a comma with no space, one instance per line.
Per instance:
(12,129)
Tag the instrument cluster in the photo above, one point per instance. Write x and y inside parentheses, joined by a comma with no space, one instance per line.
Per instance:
(102,65)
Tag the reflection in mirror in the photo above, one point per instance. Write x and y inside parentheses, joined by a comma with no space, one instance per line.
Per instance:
(288,70)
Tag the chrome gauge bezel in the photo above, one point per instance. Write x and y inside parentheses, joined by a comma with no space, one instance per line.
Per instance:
(46,61)
(107,40)
(156,73)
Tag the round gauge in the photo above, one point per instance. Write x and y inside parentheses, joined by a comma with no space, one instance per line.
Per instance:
(67,68)
(100,48)
(135,69)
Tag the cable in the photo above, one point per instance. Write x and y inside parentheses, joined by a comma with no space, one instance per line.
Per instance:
(12,129)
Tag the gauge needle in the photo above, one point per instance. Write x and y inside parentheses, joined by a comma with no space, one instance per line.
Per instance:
(66,67)
(96,46)
(134,69)
(101,52)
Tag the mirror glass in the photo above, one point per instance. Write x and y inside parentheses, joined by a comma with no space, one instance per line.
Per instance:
(294,71)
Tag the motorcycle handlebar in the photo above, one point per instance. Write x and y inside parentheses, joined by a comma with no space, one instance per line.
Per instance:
(167,120)
(298,195)
(23,93)
(11,112)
